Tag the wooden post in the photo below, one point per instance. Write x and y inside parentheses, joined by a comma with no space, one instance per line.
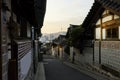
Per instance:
(0,44)
(100,40)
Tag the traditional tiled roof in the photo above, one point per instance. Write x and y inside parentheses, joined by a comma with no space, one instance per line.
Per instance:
(31,10)
(96,11)
(70,28)
(92,18)
(93,14)
(112,5)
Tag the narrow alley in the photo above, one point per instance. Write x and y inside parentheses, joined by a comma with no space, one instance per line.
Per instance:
(60,40)
(52,68)
(56,70)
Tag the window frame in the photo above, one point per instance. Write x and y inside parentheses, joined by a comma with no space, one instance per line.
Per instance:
(111,36)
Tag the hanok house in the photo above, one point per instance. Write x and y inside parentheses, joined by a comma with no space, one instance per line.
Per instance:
(58,45)
(102,25)
(20,20)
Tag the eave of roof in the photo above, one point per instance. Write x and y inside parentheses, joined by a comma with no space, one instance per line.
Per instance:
(97,9)
(69,29)
(93,15)
(32,10)
(112,5)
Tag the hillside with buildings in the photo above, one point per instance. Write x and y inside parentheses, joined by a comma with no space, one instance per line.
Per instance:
(49,37)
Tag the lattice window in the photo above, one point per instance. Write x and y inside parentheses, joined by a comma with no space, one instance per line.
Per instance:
(112,33)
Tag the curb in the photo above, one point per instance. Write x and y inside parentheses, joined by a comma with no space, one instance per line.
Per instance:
(40,75)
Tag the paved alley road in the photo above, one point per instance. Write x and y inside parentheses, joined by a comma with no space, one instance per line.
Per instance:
(56,70)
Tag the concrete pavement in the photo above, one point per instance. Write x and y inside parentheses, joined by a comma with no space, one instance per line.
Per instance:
(40,74)
(51,65)
(57,70)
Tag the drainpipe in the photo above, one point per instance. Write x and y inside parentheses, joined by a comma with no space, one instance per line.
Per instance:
(33,48)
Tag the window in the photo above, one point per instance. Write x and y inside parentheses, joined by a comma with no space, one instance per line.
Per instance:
(108,33)
(115,33)
(112,33)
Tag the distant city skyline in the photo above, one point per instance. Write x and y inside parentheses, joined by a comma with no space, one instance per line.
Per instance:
(61,13)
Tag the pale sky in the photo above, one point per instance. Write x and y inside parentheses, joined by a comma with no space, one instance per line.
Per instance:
(61,13)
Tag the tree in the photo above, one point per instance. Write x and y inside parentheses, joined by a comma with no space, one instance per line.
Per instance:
(76,36)
(77,33)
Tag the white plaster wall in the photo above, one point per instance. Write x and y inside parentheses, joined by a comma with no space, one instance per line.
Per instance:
(116,16)
(53,51)
(25,64)
(108,18)
(104,33)
(97,31)
(71,52)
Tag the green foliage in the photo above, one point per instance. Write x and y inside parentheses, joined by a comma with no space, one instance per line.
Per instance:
(77,33)
(75,36)
(67,50)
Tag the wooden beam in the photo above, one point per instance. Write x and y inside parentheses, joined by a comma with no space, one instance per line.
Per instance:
(0,44)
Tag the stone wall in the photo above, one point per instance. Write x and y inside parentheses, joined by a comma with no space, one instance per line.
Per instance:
(110,54)
(96,52)
(88,53)
(86,57)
